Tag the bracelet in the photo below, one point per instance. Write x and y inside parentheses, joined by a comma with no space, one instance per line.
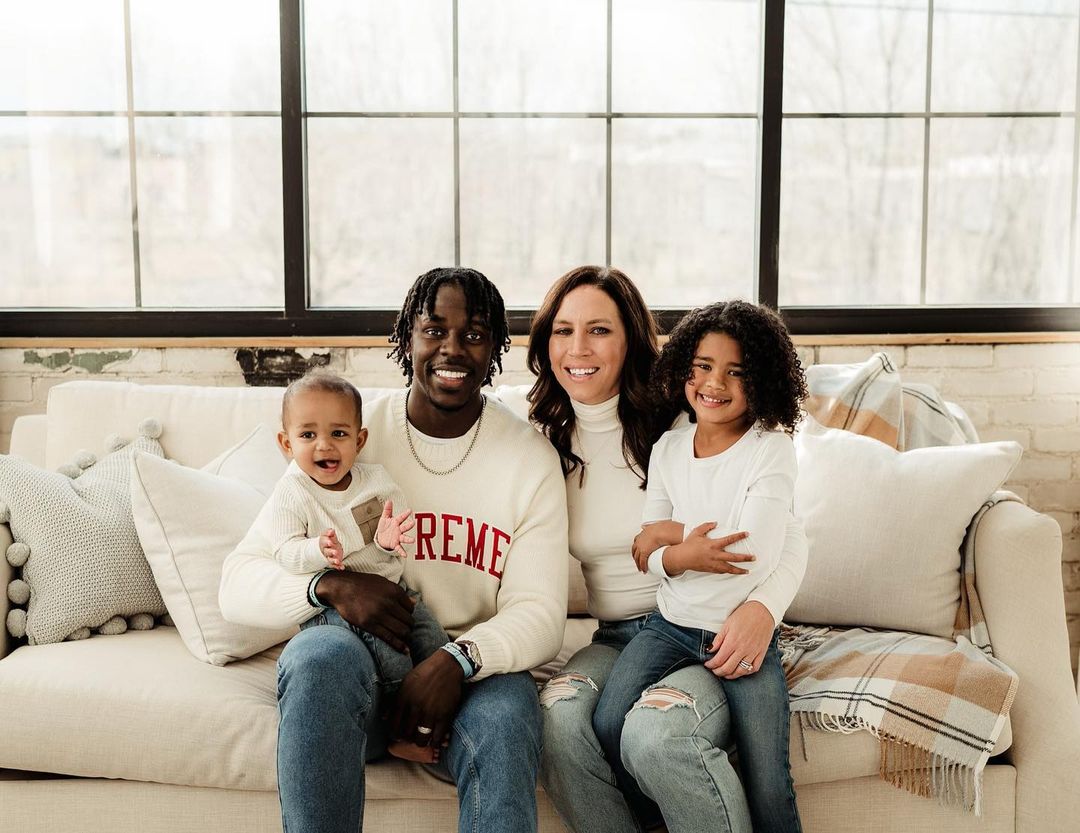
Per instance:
(454,650)
(313,600)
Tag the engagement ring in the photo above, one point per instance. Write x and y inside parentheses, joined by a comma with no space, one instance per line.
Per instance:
(745,666)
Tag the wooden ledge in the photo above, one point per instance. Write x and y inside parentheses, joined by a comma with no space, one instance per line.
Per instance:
(520,341)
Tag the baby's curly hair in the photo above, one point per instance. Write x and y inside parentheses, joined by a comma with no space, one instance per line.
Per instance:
(773,377)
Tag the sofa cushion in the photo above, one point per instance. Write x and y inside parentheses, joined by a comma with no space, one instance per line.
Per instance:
(189,521)
(885,527)
(141,708)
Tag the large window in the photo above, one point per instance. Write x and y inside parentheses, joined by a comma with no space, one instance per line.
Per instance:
(271,167)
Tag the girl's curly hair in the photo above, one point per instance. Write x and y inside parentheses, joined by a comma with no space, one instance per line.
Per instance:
(773,377)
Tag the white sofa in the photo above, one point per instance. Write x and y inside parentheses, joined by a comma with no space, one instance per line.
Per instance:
(131,733)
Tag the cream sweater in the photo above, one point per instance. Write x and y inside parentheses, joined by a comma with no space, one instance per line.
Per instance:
(300,510)
(490,556)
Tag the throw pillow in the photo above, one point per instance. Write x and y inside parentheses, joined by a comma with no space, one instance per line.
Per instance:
(885,527)
(82,568)
(256,460)
(188,521)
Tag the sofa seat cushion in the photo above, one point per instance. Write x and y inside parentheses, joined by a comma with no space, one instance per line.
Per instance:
(139,707)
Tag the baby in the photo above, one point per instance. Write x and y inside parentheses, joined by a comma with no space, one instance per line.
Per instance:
(330,511)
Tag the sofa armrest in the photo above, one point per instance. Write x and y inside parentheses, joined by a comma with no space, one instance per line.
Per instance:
(1018,573)
(28,438)
(7,573)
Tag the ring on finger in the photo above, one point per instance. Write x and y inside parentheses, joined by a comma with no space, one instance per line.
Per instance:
(423,730)
(746,666)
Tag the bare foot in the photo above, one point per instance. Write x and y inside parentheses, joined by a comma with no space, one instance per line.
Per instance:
(413,752)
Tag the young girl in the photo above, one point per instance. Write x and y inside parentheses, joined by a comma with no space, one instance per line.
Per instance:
(737,373)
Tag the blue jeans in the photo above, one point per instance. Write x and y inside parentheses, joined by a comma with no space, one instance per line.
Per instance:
(391,666)
(760,718)
(330,702)
(685,743)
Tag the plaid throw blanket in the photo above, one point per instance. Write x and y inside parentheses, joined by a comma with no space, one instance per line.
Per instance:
(937,706)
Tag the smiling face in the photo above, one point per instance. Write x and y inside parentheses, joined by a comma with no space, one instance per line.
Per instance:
(715,387)
(587,346)
(451,354)
(323,435)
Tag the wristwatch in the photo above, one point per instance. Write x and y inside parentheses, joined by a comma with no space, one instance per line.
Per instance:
(473,653)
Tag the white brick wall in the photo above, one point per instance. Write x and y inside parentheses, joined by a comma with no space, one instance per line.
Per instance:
(1024,392)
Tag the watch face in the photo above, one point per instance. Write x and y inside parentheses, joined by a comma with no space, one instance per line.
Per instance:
(473,652)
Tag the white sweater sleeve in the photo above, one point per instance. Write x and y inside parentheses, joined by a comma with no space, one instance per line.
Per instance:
(256,591)
(527,628)
(295,546)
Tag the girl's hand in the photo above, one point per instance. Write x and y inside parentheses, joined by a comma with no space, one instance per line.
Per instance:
(744,636)
(332,550)
(652,537)
(705,555)
(390,534)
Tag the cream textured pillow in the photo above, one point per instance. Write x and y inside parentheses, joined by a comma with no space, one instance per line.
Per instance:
(188,521)
(75,542)
(256,460)
(885,527)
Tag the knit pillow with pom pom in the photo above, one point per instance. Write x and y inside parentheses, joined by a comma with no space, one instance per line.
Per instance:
(82,568)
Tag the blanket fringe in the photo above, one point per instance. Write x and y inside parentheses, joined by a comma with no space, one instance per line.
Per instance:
(910,767)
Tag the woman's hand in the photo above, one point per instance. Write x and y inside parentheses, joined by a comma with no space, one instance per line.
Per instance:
(705,555)
(652,537)
(744,636)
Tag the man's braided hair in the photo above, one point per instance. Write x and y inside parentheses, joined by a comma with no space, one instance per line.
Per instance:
(481,298)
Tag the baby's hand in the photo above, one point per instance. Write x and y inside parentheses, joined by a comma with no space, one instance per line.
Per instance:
(331,548)
(391,531)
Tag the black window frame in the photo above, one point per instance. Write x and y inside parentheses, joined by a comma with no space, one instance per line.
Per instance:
(297,319)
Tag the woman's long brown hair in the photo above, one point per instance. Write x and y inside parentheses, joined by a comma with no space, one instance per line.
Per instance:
(549,403)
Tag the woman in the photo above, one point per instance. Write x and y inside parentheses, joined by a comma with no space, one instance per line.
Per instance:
(592,346)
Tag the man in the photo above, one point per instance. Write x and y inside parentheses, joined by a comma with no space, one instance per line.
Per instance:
(489,559)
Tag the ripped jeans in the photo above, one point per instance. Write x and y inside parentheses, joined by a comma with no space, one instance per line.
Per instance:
(760,719)
(675,753)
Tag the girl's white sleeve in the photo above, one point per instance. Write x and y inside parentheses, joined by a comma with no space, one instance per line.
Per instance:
(767,505)
(778,590)
(658,506)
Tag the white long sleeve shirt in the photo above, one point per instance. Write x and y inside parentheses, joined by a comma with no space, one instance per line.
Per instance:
(605,514)
(490,556)
(748,487)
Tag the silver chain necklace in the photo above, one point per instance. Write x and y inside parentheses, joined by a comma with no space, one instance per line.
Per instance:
(468,451)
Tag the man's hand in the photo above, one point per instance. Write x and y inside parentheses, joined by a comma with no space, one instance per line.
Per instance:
(429,699)
(372,603)
(705,555)
(392,530)
(332,551)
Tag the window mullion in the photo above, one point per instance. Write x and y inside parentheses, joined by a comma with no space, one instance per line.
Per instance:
(292,160)
(770,130)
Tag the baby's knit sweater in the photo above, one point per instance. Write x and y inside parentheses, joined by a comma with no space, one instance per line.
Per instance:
(300,510)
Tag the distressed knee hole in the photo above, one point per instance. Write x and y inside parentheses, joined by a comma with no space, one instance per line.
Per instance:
(564,687)
(664,698)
